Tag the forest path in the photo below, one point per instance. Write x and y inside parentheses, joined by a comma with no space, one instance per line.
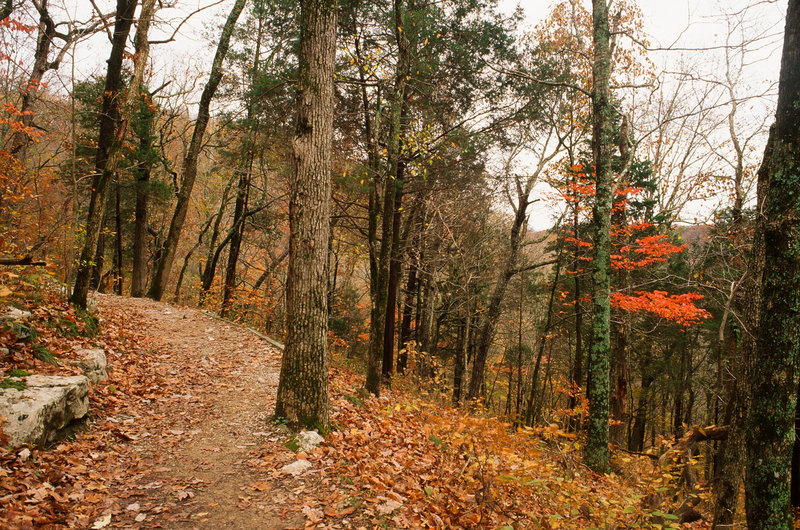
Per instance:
(197,448)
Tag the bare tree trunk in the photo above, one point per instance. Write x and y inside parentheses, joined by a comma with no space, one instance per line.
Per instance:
(111,160)
(186,260)
(531,407)
(731,454)
(214,250)
(242,192)
(167,254)
(461,355)
(117,276)
(243,189)
(493,310)
(393,287)
(303,387)
(412,286)
(391,189)
(638,431)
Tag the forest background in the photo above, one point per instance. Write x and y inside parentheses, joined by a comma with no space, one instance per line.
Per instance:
(460,232)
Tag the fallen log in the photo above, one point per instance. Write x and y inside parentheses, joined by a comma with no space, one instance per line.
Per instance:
(27,260)
(696,434)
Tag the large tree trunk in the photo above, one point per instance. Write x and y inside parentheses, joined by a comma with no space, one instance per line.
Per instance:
(773,381)
(731,453)
(167,253)
(596,450)
(303,387)
(108,160)
(795,480)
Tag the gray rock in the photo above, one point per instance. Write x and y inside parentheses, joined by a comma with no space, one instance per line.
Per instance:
(12,313)
(297,467)
(91,304)
(308,440)
(47,404)
(93,363)
(13,319)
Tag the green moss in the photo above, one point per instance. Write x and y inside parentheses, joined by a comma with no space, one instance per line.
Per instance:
(19,384)
(292,445)
(16,372)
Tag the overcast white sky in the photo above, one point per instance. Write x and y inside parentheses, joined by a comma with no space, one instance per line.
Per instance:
(685,24)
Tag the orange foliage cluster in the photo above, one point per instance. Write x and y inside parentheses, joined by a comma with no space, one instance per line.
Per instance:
(652,249)
(644,251)
(679,308)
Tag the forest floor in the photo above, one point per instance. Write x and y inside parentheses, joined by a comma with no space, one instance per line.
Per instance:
(181,436)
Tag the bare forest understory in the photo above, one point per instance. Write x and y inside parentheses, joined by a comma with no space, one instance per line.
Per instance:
(181,436)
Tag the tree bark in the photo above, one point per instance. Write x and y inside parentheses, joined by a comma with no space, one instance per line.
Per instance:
(303,386)
(243,189)
(167,253)
(576,375)
(214,250)
(773,380)
(636,442)
(596,450)
(242,192)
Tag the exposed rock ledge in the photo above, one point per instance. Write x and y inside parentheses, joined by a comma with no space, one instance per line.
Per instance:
(47,404)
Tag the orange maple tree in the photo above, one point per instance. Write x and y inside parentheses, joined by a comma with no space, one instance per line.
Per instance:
(631,252)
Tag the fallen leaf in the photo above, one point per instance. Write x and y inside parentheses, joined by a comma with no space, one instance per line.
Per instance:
(102,522)
(261,486)
(314,515)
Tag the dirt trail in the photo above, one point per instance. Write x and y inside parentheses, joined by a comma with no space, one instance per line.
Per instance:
(200,451)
